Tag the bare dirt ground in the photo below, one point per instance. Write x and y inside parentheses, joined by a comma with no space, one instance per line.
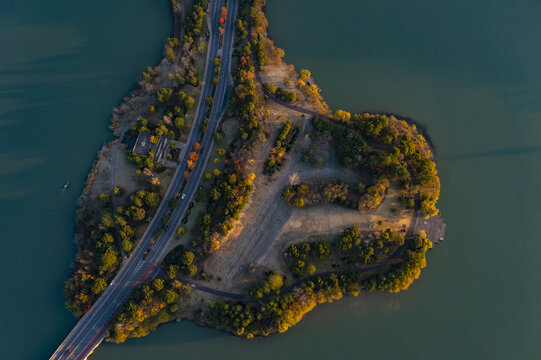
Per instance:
(268,225)
(276,73)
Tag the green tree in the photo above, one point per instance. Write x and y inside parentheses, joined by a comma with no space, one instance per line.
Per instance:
(107,260)
(99,286)
(152,199)
(271,88)
(158,284)
(190,270)
(107,238)
(170,296)
(172,271)
(179,122)
(305,74)
(342,115)
(163,95)
(138,214)
(187,258)
(181,230)
(189,102)
(127,245)
(276,281)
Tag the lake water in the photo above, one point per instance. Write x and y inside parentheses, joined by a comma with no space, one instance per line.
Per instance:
(469,71)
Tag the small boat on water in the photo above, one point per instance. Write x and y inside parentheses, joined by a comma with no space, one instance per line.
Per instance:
(66,184)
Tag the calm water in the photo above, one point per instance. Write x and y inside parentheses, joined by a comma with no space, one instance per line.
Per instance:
(64,65)
(469,71)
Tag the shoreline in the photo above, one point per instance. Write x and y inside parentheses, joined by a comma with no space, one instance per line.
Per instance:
(139,90)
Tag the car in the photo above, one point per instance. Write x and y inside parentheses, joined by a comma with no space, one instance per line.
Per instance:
(67,352)
(183,196)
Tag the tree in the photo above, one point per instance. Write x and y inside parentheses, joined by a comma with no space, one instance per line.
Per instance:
(190,270)
(158,284)
(218,136)
(181,230)
(116,191)
(170,54)
(298,268)
(271,88)
(189,102)
(276,281)
(107,238)
(107,260)
(152,199)
(163,95)
(170,296)
(305,74)
(99,286)
(342,115)
(188,258)
(179,122)
(172,271)
(310,269)
(138,214)
(127,245)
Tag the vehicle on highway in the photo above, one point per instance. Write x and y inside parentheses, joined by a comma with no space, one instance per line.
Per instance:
(183,196)
(147,252)
(67,352)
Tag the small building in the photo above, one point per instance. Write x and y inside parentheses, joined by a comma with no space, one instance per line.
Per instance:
(143,144)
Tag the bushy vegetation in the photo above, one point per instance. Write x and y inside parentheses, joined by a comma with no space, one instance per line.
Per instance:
(287,96)
(303,255)
(279,312)
(178,260)
(272,284)
(151,304)
(374,195)
(262,58)
(196,18)
(401,276)
(171,47)
(282,145)
(400,154)
(228,196)
(350,146)
(105,233)
(310,194)
(410,146)
(245,102)
(347,250)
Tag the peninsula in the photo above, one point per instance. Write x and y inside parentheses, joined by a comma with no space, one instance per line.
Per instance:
(233,196)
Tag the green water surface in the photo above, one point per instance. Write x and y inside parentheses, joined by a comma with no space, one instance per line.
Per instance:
(470,71)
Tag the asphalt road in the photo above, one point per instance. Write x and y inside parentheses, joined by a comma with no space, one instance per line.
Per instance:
(89,331)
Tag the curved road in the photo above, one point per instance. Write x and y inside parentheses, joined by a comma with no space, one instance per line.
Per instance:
(89,331)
